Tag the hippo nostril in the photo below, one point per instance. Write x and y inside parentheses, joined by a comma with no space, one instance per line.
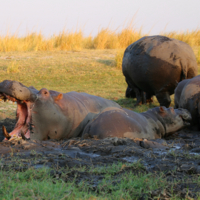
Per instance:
(45,92)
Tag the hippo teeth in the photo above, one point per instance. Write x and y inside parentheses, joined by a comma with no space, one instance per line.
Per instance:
(23,116)
(6,134)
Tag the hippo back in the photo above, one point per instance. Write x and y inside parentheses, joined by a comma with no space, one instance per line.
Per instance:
(187,95)
(156,63)
(93,103)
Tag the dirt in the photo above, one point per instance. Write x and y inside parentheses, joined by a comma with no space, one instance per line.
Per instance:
(177,157)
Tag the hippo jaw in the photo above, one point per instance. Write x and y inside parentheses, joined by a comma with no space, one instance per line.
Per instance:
(39,118)
(174,119)
(25,98)
(185,115)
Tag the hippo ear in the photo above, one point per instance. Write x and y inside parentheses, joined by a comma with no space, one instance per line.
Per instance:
(161,109)
(59,97)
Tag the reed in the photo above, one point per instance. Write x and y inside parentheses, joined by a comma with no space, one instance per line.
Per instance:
(75,40)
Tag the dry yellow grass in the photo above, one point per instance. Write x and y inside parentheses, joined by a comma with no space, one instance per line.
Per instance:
(190,37)
(66,40)
(74,40)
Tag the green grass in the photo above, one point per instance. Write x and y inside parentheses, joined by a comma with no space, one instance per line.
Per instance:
(38,184)
(117,181)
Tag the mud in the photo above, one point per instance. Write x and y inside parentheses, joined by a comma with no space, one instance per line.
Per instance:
(176,157)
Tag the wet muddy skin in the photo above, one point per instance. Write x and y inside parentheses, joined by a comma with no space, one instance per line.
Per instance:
(177,156)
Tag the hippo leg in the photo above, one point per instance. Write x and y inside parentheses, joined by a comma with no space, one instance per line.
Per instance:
(130,93)
(139,96)
(164,99)
(149,98)
(144,99)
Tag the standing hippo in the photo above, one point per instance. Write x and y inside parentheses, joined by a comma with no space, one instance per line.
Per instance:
(48,114)
(155,64)
(187,95)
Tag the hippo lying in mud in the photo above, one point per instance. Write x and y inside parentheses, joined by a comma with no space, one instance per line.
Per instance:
(48,114)
(187,95)
(155,123)
(154,65)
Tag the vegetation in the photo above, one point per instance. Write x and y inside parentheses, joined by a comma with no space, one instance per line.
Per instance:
(121,181)
(66,40)
(71,62)
(96,72)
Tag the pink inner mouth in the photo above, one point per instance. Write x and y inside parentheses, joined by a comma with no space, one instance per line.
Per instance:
(23,117)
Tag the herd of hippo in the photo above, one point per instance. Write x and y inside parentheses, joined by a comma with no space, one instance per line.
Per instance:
(153,65)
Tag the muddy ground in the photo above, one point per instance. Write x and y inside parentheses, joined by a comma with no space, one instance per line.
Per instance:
(177,156)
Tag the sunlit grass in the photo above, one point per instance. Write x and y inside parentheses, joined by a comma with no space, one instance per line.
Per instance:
(75,40)
(190,37)
(90,71)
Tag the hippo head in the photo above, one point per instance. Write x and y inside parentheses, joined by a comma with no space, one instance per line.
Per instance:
(38,115)
(173,119)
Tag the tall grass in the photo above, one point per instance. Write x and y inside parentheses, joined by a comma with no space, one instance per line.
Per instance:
(75,40)
(190,37)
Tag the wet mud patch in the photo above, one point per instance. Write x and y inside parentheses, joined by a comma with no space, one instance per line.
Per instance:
(174,160)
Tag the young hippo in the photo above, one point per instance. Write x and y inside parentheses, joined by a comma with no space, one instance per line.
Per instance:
(155,123)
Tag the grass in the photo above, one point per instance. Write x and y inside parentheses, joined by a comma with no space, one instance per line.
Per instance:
(66,40)
(93,71)
(90,71)
(75,40)
(40,184)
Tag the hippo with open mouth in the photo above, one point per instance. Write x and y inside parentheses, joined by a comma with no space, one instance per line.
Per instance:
(48,114)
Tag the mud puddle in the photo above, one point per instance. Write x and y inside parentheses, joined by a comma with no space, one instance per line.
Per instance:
(177,157)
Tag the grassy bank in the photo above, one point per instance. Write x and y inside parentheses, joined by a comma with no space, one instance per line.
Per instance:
(96,72)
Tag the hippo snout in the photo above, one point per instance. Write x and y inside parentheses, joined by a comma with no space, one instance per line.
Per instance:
(185,115)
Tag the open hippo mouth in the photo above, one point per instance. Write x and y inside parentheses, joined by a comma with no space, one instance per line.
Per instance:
(25,98)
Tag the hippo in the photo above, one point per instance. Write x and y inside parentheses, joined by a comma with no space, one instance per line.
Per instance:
(187,95)
(47,114)
(155,65)
(155,123)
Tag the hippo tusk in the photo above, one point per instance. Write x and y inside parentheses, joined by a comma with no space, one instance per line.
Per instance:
(6,134)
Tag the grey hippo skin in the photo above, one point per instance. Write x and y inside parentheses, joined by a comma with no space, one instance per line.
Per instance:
(154,123)
(48,114)
(187,95)
(154,65)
